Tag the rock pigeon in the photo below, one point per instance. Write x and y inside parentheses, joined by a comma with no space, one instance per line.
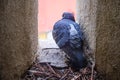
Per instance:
(69,38)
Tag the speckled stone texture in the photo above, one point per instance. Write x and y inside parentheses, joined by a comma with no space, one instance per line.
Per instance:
(18,37)
(101,22)
(86,17)
(108,38)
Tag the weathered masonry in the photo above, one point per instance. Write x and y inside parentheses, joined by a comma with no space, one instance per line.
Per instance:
(18,37)
(101,22)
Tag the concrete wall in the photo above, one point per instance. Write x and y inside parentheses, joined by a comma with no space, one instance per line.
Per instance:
(86,17)
(100,20)
(18,37)
(108,38)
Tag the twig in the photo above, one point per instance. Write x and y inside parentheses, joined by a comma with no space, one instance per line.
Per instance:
(65,75)
(48,77)
(83,78)
(40,68)
(53,70)
(92,72)
(38,72)
(76,77)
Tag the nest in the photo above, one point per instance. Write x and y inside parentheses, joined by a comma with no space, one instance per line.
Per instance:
(44,71)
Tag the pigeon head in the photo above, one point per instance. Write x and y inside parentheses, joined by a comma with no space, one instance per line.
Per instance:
(68,15)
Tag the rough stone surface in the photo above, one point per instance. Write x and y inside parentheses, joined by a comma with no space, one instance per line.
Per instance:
(108,38)
(86,17)
(18,37)
(54,56)
(101,24)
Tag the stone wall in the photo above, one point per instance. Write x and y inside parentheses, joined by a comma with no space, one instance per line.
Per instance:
(100,21)
(18,37)
(86,17)
(108,38)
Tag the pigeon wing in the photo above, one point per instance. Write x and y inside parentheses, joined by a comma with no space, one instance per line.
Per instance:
(60,34)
